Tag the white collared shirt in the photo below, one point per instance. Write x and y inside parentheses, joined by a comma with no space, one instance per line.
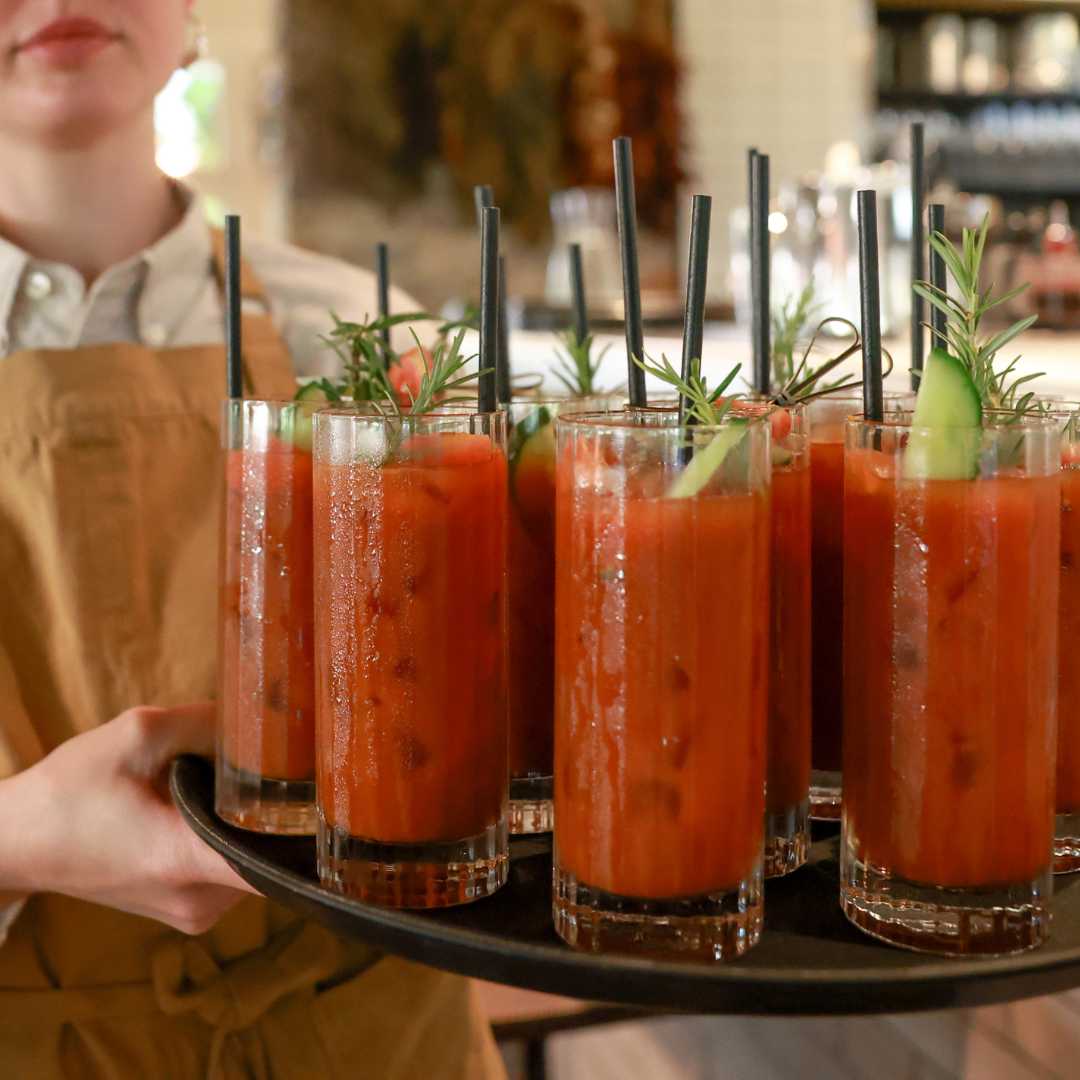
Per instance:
(168,296)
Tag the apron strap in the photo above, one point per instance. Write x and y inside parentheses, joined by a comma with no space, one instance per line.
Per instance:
(268,367)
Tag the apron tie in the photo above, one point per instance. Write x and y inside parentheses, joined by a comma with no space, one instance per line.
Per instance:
(187,979)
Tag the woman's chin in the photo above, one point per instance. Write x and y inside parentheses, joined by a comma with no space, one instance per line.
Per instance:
(69,117)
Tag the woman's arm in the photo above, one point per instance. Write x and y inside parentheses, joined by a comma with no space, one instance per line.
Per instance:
(93,820)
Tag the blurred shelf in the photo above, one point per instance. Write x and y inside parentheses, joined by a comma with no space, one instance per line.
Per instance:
(928,100)
(977,7)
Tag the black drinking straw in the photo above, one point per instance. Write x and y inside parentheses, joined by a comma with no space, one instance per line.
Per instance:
(918,272)
(483,196)
(696,275)
(627,212)
(759,271)
(577,294)
(502,366)
(234,361)
(937,279)
(873,399)
(382,273)
(489,308)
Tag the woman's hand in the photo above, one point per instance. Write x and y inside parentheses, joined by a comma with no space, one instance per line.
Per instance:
(94,820)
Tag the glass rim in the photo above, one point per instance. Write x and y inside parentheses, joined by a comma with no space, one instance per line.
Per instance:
(356,411)
(670,404)
(857,395)
(548,399)
(229,402)
(598,420)
(900,420)
(1060,408)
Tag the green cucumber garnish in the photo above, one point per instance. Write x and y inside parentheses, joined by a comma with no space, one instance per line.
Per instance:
(948,408)
(533,435)
(318,390)
(297,424)
(706,461)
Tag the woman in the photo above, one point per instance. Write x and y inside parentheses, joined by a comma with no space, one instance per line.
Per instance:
(132,949)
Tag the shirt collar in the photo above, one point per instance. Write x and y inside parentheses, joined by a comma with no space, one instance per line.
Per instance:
(13,264)
(182,254)
(177,271)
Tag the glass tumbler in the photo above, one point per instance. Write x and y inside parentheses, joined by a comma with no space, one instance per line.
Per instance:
(951,544)
(265,776)
(827,415)
(661,660)
(531,570)
(410,630)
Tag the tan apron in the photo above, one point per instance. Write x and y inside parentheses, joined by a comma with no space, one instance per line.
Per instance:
(109,493)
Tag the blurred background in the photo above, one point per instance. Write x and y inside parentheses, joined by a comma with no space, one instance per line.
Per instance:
(336,123)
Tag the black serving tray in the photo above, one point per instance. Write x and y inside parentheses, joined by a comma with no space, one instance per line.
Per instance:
(810,961)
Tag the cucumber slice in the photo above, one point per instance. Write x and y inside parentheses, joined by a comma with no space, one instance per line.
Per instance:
(319,390)
(706,461)
(948,410)
(536,427)
(297,425)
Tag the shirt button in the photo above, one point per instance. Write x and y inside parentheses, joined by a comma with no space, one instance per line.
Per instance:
(154,335)
(38,285)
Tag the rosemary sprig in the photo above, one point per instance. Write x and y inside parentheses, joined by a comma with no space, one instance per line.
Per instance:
(470,320)
(1071,432)
(805,381)
(576,368)
(365,357)
(704,406)
(439,381)
(789,323)
(999,388)
(794,382)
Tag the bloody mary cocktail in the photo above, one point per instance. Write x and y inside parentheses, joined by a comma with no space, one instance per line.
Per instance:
(827,417)
(410,590)
(787,784)
(1067,818)
(827,583)
(661,654)
(950,637)
(788,759)
(266,729)
(531,585)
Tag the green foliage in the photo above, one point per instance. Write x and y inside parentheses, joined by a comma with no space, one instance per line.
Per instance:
(801,381)
(789,323)
(703,406)
(440,379)
(576,368)
(998,387)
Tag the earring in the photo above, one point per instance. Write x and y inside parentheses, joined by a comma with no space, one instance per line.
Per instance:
(197,45)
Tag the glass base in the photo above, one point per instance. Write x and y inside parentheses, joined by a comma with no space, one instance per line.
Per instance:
(1067,842)
(787,839)
(262,804)
(713,926)
(824,795)
(433,875)
(991,921)
(531,808)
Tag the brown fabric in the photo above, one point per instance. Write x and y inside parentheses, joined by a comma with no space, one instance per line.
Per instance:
(110,485)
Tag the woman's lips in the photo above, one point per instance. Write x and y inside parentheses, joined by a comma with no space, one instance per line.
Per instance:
(67,42)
